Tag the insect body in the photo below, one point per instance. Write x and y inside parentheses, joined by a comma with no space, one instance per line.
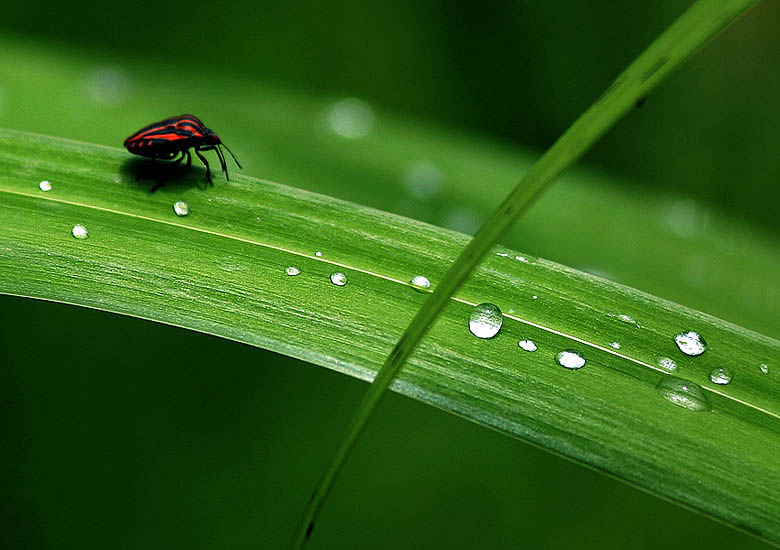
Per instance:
(172,138)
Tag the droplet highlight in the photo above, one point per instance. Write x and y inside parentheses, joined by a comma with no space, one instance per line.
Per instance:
(570,359)
(181,208)
(690,343)
(683,393)
(486,320)
(292,271)
(338,278)
(420,282)
(45,185)
(527,345)
(79,231)
(667,364)
(721,375)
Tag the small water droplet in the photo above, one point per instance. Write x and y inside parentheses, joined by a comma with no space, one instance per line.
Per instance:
(181,208)
(691,343)
(351,118)
(683,393)
(535,297)
(615,345)
(79,231)
(521,259)
(527,345)
(502,254)
(338,278)
(486,320)
(570,359)
(45,185)
(420,282)
(667,364)
(292,271)
(626,318)
(318,254)
(764,368)
(721,375)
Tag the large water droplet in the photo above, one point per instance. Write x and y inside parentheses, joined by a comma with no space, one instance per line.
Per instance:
(181,208)
(338,278)
(667,364)
(527,345)
(570,359)
(721,375)
(691,343)
(351,118)
(683,393)
(485,320)
(45,185)
(292,271)
(420,282)
(764,368)
(79,231)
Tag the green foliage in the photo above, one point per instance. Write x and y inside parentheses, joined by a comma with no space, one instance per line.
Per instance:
(222,270)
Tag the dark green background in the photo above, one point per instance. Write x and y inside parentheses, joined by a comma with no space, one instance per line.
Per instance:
(122,433)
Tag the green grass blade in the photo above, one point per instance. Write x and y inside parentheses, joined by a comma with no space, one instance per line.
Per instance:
(693,29)
(221,270)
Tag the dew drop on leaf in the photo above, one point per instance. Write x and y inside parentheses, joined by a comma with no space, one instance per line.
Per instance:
(338,278)
(292,271)
(527,345)
(764,368)
(181,208)
(45,185)
(683,393)
(690,343)
(420,282)
(486,320)
(721,375)
(79,231)
(667,364)
(570,359)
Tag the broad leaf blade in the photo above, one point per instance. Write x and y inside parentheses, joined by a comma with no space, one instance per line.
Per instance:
(221,270)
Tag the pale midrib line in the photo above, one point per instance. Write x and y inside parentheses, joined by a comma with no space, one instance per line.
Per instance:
(544,328)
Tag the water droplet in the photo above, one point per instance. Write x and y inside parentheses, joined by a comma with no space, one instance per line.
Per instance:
(502,254)
(527,345)
(721,375)
(292,271)
(667,364)
(521,259)
(615,345)
(107,85)
(351,118)
(691,343)
(44,185)
(570,359)
(318,254)
(764,368)
(421,282)
(535,297)
(79,231)
(423,179)
(683,393)
(485,320)
(338,278)
(626,318)
(181,208)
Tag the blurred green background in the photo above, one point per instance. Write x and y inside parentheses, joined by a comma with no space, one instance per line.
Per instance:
(122,433)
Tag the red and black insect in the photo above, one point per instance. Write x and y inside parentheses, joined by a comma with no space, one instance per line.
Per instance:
(172,138)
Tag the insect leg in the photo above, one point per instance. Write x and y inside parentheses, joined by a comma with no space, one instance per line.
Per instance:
(189,159)
(204,161)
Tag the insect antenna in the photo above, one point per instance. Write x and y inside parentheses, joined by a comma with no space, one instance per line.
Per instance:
(232,155)
(222,162)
